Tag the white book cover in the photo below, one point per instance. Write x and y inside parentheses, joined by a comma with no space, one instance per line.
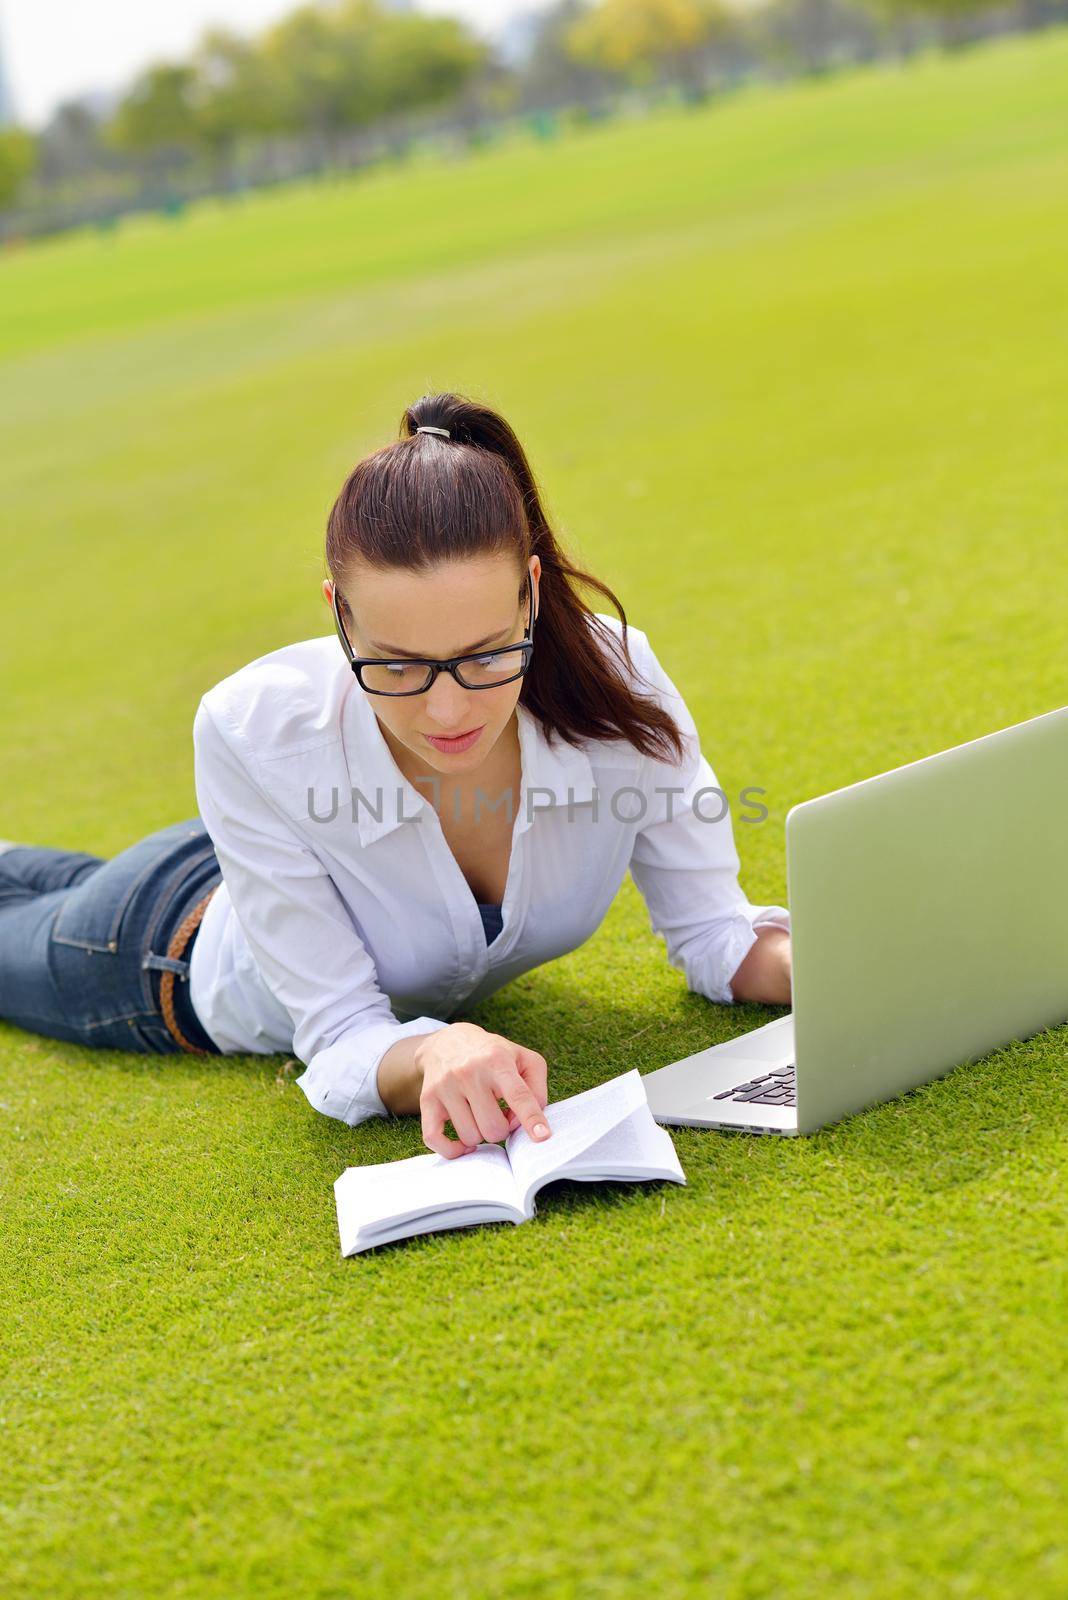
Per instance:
(604,1134)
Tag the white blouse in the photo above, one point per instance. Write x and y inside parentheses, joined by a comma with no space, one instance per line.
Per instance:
(344,923)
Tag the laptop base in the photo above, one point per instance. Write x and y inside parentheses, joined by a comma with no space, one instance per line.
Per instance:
(694,1091)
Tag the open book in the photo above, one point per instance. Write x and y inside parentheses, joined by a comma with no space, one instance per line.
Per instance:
(605,1133)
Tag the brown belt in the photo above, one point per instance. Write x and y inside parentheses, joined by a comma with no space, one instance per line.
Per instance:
(179,939)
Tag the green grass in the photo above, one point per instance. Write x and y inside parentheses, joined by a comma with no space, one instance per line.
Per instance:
(793,372)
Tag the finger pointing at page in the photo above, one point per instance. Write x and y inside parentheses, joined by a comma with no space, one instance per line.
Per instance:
(524,1103)
(534,1069)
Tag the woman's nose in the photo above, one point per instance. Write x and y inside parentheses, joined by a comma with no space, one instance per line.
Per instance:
(447,702)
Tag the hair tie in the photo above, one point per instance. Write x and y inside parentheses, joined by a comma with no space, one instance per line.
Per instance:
(445,434)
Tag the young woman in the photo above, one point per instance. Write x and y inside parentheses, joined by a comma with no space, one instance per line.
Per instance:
(399,817)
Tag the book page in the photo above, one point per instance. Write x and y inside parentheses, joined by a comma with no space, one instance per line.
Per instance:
(621,1146)
(636,1145)
(576,1123)
(394,1191)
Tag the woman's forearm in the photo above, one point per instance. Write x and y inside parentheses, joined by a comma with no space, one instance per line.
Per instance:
(400,1079)
(766,974)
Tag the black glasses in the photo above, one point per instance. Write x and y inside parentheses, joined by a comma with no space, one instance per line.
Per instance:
(479,669)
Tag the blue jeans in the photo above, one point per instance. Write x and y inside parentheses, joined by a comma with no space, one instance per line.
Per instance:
(83,940)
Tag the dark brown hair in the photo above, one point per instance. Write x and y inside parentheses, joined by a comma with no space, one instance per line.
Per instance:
(425,499)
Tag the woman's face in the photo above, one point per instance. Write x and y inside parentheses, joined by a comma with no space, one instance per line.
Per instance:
(457,607)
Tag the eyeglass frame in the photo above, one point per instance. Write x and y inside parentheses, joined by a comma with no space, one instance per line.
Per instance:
(526,645)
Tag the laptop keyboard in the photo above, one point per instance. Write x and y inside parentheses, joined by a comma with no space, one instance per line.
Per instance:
(776,1088)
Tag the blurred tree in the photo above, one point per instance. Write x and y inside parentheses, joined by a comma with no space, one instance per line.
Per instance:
(957,21)
(232,95)
(641,39)
(551,73)
(70,146)
(158,117)
(18,150)
(318,82)
(337,68)
(810,35)
(423,61)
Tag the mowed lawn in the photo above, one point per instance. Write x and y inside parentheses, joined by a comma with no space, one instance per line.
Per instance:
(793,370)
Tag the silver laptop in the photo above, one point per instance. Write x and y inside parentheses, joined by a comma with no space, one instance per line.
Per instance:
(929,924)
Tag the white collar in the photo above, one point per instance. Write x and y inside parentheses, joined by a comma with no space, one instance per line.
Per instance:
(550,776)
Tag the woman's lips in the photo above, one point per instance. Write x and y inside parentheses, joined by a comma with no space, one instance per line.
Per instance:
(459,742)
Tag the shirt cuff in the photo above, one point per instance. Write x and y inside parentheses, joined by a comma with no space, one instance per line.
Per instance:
(342,1080)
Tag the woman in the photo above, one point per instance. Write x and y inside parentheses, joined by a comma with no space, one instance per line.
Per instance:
(402,825)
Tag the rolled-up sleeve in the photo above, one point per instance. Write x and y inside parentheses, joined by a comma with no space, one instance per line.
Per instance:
(684,861)
(298,929)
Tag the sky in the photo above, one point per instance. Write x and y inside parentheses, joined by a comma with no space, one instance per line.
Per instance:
(55,49)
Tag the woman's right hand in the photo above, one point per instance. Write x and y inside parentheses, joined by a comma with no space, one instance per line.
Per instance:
(465,1070)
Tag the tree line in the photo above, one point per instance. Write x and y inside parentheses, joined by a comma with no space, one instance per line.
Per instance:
(339,82)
